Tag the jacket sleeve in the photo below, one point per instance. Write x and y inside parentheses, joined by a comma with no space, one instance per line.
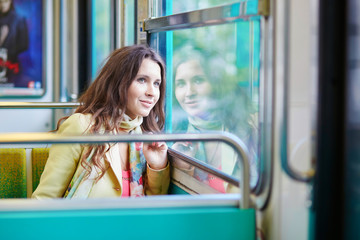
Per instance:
(63,160)
(157,181)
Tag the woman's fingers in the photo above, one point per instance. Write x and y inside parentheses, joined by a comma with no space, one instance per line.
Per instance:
(156,154)
(156,145)
(160,145)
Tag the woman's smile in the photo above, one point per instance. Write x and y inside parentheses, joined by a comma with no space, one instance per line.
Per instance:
(147,103)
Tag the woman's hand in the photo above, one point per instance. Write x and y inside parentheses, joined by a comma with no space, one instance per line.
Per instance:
(156,154)
(187,149)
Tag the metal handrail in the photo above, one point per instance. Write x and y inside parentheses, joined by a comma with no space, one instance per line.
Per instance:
(291,172)
(154,201)
(204,166)
(37,105)
(232,140)
(205,17)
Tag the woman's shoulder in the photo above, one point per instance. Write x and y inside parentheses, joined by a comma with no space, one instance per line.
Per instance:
(77,123)
(80,117)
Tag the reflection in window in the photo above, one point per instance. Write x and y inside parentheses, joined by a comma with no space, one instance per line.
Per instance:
(100,27)
(201,151)
(215,88)
(190,5)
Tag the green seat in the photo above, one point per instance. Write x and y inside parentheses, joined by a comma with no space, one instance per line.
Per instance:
(39,157)
(12,173)
(196,222)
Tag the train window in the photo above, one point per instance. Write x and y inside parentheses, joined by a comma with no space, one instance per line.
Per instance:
(215,86)
(129,29)
(216,89)
(189,5)
(100,27)
(102,24)
(214,80)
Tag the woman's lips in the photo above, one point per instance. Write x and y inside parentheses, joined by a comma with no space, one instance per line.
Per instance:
(146,103)
(192,103)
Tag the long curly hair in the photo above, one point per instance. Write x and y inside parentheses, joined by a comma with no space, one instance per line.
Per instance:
(107,97)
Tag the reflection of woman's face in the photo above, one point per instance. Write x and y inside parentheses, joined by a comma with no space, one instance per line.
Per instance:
(5,6)
(192,88)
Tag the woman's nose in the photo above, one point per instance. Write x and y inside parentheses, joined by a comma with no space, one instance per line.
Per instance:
(150,90)
(190,90)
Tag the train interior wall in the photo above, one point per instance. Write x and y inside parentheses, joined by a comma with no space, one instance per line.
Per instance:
(287,215)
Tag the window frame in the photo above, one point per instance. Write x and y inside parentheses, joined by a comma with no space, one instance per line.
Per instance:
(216,16)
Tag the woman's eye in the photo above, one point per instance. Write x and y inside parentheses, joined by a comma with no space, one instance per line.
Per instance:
(198,79)
(141,80)
(179,83)
(157,84)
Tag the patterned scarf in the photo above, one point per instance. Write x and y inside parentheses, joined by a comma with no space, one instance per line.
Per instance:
(218,157)
(227,154)
(199,125)
(80,187)
(136,156)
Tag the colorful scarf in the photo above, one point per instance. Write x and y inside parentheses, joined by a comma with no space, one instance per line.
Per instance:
(80,187)
(199,125)
(136,156)
(228,155)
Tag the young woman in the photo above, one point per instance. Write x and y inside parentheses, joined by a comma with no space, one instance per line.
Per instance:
(210,100)
(126,97)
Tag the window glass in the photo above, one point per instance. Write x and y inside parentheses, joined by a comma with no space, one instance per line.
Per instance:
(214,82)
(211,155)
(100,27)
(190,5)
(129,22)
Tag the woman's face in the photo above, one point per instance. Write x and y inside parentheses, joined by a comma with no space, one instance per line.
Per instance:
(192,89)
(144,91)
(5,6)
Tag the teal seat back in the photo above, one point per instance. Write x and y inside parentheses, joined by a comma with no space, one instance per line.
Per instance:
(211,223)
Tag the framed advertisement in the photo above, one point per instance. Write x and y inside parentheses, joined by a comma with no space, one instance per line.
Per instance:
(21,48)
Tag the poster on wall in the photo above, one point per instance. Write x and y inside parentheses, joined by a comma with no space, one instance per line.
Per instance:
(21,48)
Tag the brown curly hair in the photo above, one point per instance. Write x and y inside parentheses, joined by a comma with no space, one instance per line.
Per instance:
(106,98)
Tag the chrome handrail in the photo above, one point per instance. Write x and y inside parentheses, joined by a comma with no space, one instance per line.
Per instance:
(37,105)
(155,201)
(291,172)
(204,166)
(205,17)
(232,140)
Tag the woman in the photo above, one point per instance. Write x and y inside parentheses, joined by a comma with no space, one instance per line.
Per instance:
(212,102)
(126,97)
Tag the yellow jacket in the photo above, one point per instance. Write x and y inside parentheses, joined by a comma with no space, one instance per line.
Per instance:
(64,163)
